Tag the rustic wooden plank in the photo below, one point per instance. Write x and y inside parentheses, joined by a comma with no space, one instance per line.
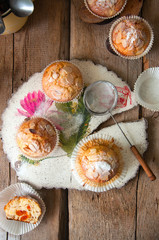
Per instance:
(43,39)
(6,68)
(148,192)
(110,215)
(132,7)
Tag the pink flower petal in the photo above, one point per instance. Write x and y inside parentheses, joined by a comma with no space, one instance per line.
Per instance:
(30,102)
(23,113)
(41,96)
(35,95)
(27,107)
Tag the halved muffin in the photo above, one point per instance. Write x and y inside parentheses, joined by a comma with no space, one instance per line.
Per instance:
(24,209)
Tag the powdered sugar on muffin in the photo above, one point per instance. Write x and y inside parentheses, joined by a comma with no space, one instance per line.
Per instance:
(131,37)
(105,8)
(99,163)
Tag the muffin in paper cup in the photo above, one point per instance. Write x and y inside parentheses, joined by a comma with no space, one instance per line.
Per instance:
(17,227)
(131,37)
(146,89)
(97,163)
(37,138)
(62,81)
(94,11)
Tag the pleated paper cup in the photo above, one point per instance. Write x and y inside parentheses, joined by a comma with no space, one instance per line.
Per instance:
(129,18)
(77,96)
(77,171)
(147,89)
(17,227)
(49,155)
(104,18)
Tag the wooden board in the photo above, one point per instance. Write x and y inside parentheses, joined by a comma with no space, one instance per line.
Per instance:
(55,31)
(6,68)
(43,39)
(132,8)
(106,215)
(148,192)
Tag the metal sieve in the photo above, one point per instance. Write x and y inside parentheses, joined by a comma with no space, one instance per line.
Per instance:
(101,98)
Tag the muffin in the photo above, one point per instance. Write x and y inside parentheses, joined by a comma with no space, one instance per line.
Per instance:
(24,209)
(99,163)
(36,137)
(62,81)
(105,8)
(131,37)
(96,162)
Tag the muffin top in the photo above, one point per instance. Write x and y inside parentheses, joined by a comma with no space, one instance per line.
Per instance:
(99,163)
(36,137)
(105,8)
(62,81)
(130,37)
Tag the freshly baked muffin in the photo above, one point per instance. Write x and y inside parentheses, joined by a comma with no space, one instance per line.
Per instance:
(36,137)
(24,209)
(98,160)
(131,37)
(62,81)
(99,163)
(105,8)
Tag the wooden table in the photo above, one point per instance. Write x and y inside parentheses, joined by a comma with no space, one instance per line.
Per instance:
(55,31)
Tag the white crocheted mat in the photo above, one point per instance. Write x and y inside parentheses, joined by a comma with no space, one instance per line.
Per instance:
(73,122)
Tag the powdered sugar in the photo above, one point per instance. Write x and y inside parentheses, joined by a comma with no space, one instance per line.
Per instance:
(106,3)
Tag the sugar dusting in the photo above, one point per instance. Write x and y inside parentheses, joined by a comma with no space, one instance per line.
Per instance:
(106,3)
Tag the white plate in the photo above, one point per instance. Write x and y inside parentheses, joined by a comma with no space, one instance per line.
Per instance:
(147,89)
(16,227)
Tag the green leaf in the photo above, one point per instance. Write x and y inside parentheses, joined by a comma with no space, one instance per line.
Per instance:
(68,144)
(35,162)
(64,107)
(30,161)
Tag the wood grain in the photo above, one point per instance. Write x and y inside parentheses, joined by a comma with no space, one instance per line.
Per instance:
(148,192)
(110,215)
(132,8)
(51,33)
(6,68)
(43,39)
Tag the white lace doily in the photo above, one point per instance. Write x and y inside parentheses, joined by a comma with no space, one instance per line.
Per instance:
(56,172)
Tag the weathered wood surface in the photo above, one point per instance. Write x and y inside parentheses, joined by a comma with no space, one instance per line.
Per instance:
(148,192)
(131,8)
(55,31)
(43,39)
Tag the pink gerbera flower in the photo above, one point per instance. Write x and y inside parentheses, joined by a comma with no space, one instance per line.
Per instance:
(35,104)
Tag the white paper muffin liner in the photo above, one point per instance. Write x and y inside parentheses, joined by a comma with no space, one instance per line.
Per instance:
(104,18)
(55,147)
(17,227)
(148,47)
(115,182)
(146,89)
(80,92)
